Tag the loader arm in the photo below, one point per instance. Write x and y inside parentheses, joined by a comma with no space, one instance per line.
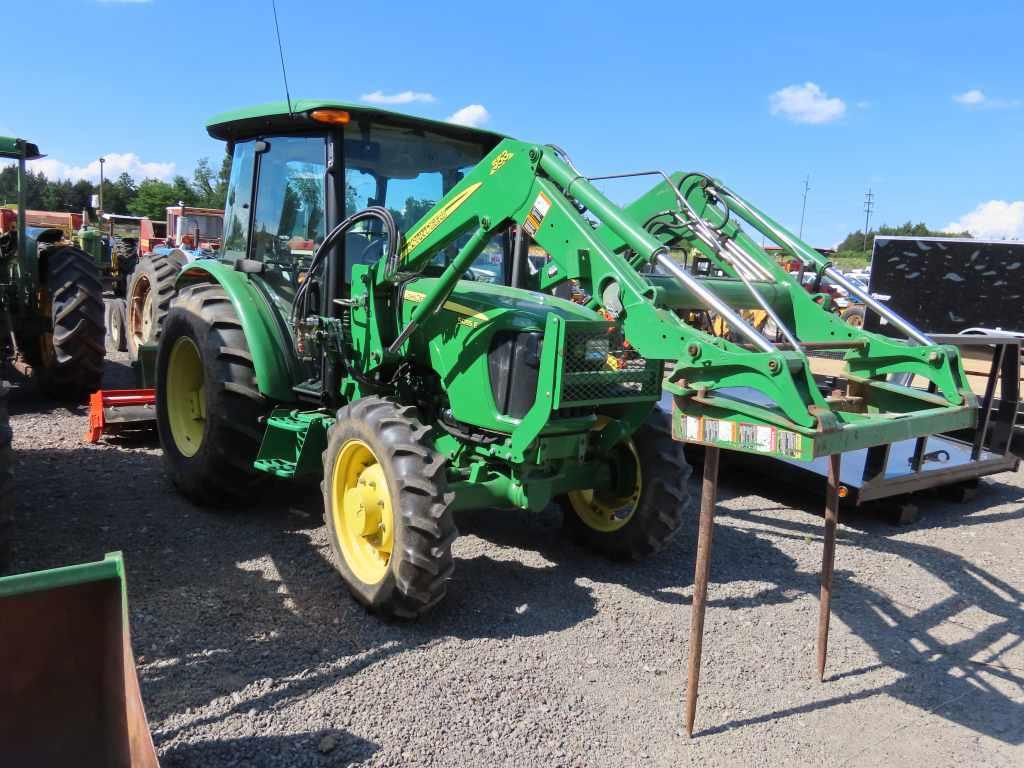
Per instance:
(527,185)
(722,241)
(752,381)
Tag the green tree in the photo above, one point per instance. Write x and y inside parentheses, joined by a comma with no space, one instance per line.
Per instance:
(203,183)
(855,240)
(81,195)
(152,199)
(8,184)
(211,188)
(119,195)
(183,191)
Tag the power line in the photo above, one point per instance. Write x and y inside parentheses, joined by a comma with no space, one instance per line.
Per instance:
(869,204)
(803,210)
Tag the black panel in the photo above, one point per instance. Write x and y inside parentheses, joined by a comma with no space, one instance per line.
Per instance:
(945,286)
(514,364)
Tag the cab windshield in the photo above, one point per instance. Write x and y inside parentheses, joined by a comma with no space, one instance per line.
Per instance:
(407,171)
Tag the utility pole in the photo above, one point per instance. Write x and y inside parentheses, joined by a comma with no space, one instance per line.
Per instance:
(102,161)
(803,210)
(869,203)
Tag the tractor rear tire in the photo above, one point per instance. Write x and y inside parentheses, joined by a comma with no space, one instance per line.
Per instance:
(116,329)
(387,508)
(636,526)
(208,404)
(71,360)
(6,485)
(124,255)
(150,290)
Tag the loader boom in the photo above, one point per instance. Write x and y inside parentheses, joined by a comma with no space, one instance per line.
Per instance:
(751,380)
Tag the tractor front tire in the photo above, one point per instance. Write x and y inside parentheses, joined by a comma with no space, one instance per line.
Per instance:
(116,329)
(634,526)
(387,508)
(854,316)
(150,290)
(208,402)
(72,354)
(6,485)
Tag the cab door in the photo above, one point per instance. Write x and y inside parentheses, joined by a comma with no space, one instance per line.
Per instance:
(288,221)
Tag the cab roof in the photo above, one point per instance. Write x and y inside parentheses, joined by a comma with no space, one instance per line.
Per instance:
(12,148)
(249,122)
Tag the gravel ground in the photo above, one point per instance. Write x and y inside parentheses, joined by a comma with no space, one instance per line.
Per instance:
(251,652)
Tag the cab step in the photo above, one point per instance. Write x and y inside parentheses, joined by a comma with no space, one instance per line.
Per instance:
(293,442)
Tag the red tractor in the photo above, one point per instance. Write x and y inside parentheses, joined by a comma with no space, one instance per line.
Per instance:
(192,233)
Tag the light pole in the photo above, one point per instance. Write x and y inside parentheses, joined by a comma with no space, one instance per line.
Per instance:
(102,161)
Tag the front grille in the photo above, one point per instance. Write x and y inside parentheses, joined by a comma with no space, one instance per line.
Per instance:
(600,367)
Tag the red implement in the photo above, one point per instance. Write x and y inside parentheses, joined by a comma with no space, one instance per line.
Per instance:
(113,410)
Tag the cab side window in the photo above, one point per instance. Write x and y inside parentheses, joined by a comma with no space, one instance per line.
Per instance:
(236,210)
(288,224)
(289,218)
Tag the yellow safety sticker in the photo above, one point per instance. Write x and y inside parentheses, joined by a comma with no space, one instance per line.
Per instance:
(535,217)
(421,234)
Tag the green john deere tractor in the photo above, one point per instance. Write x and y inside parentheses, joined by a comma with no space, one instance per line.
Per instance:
(51,300)
(383,317)
(51,320)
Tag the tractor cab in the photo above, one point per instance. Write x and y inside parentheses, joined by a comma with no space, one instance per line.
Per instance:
(296,176)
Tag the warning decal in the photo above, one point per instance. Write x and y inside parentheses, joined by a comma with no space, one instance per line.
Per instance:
(756,437)
(789,443)
(743,436)
(535,218)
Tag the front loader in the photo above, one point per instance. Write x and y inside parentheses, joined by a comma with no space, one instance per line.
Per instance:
(417,362)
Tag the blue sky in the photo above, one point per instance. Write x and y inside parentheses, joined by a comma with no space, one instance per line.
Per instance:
(923,102)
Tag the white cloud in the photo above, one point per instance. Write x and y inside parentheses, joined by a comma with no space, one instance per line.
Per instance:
(971,98)
(807,103)
(405,97)
(976,99)
(996,219)
(116,164)
(473,116)
(863,105)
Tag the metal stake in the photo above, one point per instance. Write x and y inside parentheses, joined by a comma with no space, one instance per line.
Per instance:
(828,557)
(709,492)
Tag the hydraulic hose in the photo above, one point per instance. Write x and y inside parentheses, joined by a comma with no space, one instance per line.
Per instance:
(391,257)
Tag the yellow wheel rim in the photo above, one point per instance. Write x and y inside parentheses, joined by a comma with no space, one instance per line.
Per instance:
(364,522)
(604,511)
(186,396)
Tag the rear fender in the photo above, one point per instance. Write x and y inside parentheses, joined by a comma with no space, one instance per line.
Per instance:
(36,262)
(273,355)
